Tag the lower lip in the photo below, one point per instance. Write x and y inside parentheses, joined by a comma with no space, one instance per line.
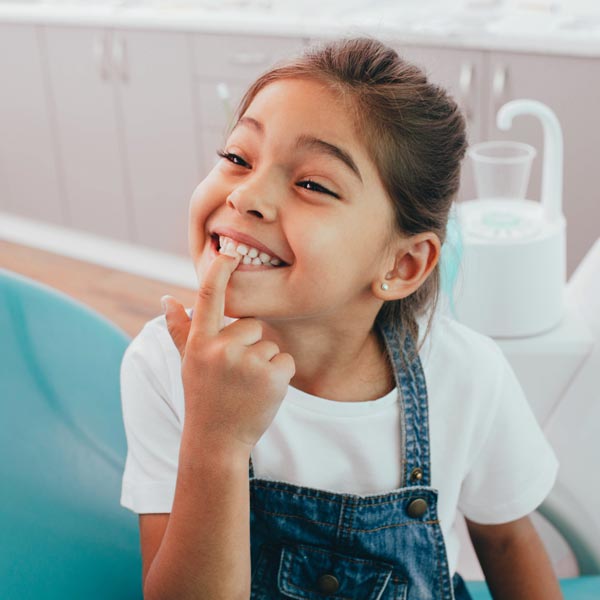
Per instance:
(242,266)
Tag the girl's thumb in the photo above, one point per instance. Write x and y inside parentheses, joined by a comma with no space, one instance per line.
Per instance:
(164,302)
(178,322)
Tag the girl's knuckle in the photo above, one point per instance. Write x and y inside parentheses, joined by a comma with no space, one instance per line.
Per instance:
(253,361)
(273,347)
(255,327)
(227,352)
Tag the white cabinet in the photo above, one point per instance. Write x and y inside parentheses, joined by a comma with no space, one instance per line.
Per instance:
(224,66)
(124,108)
(29,180)
(161,153)
(84,98)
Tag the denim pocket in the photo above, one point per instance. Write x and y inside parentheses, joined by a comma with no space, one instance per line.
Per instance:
(313,573)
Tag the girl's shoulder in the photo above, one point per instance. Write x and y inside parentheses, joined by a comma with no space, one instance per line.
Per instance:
(151,337)
(468,374)
(451,342)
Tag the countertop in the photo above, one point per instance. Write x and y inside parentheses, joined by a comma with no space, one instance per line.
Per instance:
(483,25)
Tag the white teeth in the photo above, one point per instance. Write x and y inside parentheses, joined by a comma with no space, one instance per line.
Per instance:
(227,248)
(250,255)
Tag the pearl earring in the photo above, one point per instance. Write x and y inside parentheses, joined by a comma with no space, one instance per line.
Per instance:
(385,286)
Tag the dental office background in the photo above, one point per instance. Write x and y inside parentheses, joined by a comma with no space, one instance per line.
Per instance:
(111,112)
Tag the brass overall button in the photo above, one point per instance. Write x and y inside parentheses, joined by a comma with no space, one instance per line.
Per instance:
(328,584)
(416,474)
(417,508)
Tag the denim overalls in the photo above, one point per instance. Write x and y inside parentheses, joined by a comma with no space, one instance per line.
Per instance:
(313,544)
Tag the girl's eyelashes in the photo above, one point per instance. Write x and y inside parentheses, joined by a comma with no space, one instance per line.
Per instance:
(314,186)
(318,187)
(232,158)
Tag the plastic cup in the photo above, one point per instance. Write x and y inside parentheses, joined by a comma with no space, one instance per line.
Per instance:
(501,169)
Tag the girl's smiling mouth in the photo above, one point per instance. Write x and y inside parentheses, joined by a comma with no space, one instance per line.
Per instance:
(252,258)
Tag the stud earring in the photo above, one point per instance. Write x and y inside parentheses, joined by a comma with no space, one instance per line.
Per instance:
(385,286)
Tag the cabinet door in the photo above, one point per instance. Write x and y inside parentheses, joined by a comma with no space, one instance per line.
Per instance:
(461,72)
(155,91)
(215,113)
(29,182)
(570,86)
(224,67)
(87,129)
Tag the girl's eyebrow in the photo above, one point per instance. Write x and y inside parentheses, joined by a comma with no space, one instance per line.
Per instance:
(309,141)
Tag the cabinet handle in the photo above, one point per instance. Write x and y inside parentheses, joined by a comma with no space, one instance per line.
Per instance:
(225,97)
(248,58)
(499,87)
(465,82)
(101,56)
(120,58)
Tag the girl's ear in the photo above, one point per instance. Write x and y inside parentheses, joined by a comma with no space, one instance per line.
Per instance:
(413,263)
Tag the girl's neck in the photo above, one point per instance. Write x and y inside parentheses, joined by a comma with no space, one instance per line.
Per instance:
(349,366)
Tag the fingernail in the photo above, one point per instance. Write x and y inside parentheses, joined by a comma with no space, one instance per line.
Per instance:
(164,303)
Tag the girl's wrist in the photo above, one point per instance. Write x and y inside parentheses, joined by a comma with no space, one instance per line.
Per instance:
(211,447)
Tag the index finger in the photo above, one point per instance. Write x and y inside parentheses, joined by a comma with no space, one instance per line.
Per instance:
(209,309)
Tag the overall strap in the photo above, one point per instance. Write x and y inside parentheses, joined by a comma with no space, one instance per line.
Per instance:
(414,409)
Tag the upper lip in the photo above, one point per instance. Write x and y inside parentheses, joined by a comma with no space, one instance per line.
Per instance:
(244,238)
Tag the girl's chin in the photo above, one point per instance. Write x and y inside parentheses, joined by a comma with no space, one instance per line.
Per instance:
(240,304)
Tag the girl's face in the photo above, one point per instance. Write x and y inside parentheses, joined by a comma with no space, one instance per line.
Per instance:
(297,179)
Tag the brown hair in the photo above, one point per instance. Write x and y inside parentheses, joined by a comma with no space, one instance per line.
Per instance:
(413,131)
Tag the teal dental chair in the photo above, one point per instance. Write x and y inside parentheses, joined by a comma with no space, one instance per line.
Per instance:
(63,534)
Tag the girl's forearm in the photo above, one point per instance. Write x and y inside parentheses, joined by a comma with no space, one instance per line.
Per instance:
(205,551)
(519,569)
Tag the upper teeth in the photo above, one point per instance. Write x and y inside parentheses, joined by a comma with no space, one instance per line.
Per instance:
(251,255)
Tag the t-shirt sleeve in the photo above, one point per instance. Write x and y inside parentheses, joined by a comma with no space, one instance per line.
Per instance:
(152,427)
(515,467)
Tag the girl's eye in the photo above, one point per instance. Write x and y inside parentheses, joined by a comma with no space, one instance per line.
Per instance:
(314,186)
(234,158)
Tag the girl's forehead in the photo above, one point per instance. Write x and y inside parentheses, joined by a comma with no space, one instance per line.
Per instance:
(289,109)
(297,99)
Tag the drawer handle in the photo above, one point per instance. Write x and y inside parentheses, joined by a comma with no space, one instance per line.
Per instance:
(499,82)
(225,98)
(119,55)
(465,84)
(499,86)
(248,58)
(100,56)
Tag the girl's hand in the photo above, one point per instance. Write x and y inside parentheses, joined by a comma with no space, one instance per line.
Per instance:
(233,382)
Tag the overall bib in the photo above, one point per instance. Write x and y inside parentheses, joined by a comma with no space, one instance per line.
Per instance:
(313,544)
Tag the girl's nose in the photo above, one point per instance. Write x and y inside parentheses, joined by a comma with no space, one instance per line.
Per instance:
(252,201)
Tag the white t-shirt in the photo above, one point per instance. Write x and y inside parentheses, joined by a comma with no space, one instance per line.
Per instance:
(489,458)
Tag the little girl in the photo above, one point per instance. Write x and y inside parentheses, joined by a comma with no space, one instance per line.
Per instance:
(295,435)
